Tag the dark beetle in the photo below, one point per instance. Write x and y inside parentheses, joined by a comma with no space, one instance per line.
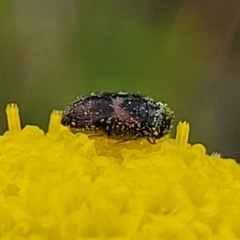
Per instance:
(123,116)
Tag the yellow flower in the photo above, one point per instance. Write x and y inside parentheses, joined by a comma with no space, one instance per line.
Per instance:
(65,186)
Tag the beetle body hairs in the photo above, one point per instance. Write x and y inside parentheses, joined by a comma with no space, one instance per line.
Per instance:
(121,116)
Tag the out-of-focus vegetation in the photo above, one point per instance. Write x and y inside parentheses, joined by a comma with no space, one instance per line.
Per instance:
(185,53)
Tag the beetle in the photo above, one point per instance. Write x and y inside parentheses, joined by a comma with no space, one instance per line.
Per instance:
(121,116)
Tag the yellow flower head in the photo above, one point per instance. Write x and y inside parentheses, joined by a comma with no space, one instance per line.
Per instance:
(61,185)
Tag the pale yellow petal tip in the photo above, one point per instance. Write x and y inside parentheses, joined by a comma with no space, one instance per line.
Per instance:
(13,119)
(215,155)
(183,130)
(55,126)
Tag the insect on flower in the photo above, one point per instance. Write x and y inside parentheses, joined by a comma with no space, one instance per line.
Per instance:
(121,116)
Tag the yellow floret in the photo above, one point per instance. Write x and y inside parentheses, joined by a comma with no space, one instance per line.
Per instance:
(65,186)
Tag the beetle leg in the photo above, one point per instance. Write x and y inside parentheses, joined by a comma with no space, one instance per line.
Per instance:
(95,135)
(152,140)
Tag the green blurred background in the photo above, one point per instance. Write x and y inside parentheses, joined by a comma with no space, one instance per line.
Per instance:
(185,53)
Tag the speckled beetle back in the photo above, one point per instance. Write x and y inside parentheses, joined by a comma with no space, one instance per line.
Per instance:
(122,116)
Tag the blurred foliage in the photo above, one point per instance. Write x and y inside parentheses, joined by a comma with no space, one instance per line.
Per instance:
(51,52)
